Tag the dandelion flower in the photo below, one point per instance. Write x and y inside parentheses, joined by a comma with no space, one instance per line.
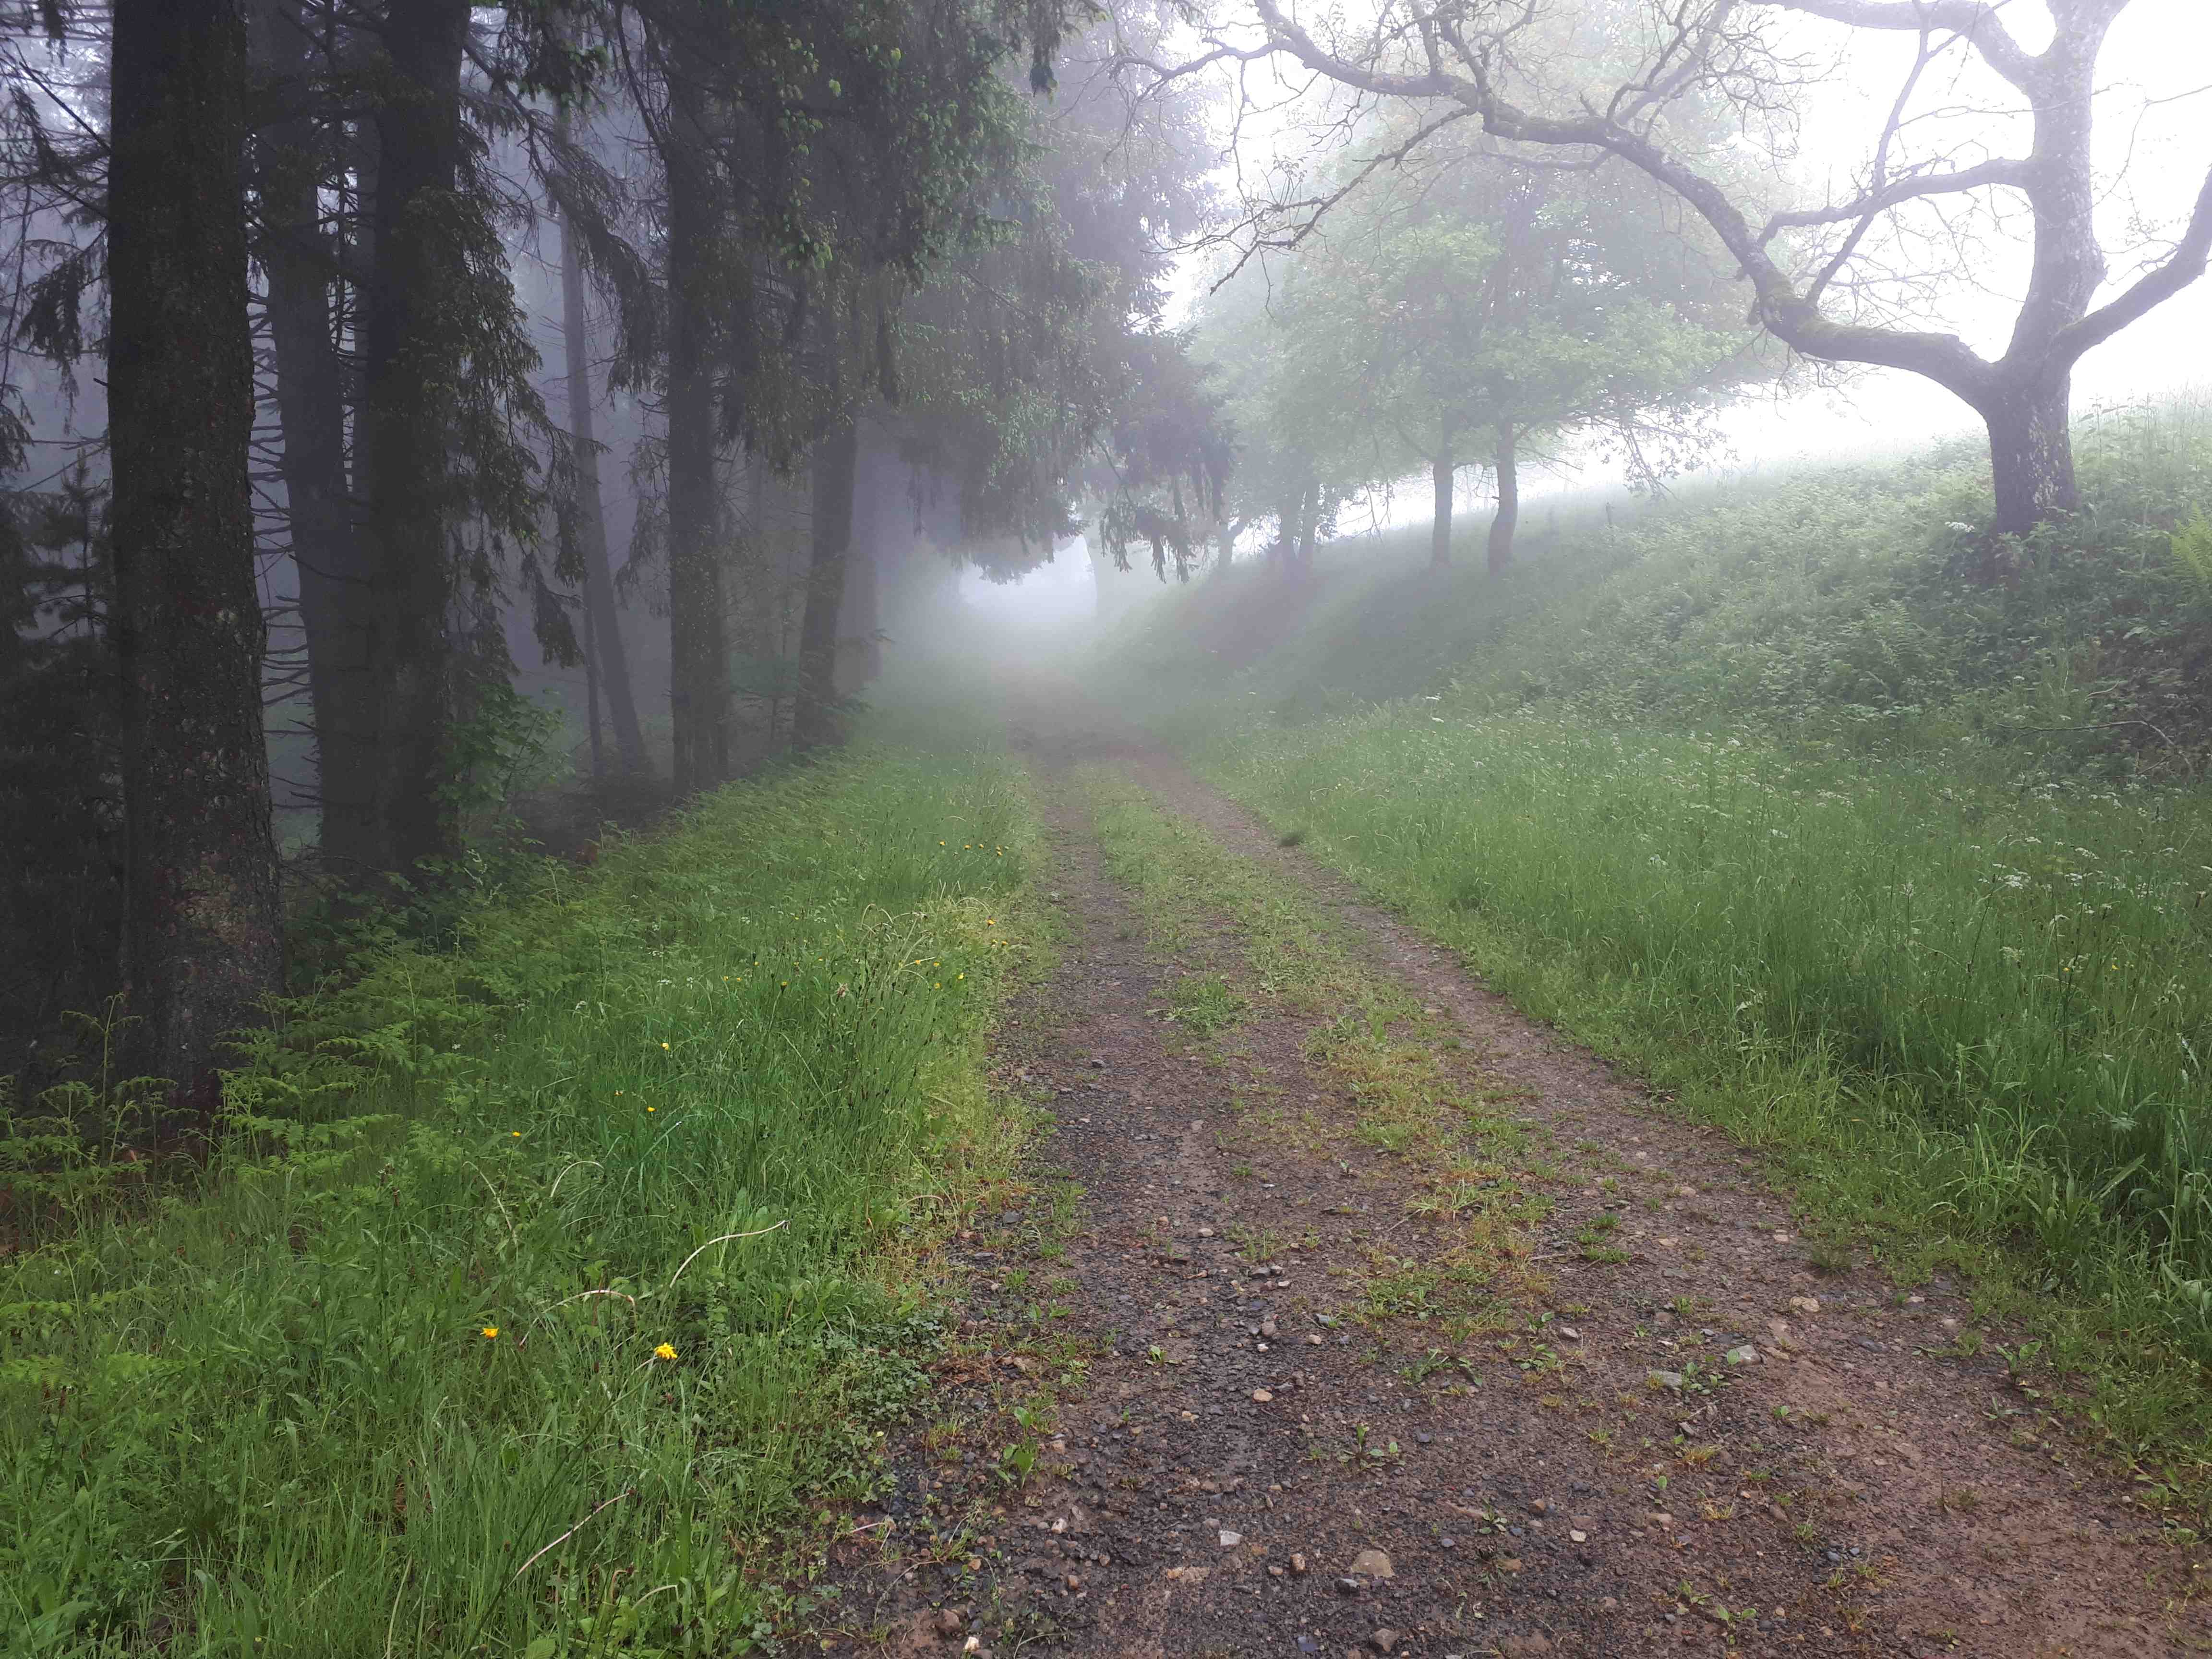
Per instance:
(517,1133)
(652,1108)
(665,1351)
(490,1333)
(664,1045)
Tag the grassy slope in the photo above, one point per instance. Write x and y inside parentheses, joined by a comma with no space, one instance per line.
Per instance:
(1684,790)
(406,1336)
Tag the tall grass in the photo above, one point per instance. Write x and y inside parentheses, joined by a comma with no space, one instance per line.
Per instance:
(540,1279)
(2022,978)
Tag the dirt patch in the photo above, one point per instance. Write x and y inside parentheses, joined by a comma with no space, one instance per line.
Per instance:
(1670,1429)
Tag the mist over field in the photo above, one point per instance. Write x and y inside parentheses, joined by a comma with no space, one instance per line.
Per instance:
(1179,827)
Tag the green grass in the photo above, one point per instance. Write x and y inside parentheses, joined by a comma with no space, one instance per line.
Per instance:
(270,1415)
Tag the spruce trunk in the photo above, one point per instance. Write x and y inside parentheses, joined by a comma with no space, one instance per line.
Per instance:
(1509,500)
(203,935)
(405,401)
(299,265)
(609,661)
(698,670)
(814,719)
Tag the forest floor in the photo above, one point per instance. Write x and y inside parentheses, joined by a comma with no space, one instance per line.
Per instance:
(1356,1313)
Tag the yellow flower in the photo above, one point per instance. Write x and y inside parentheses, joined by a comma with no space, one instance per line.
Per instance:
(664,1045)
(652,1108)
(490,1333)
(517,1133)
(665,1351)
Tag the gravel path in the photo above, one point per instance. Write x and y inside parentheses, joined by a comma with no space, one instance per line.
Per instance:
(1666,1428)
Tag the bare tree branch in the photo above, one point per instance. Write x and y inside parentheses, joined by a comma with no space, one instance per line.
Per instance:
(2176,271)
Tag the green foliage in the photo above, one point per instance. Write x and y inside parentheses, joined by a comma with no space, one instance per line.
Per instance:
(2192,551)
(695,1099)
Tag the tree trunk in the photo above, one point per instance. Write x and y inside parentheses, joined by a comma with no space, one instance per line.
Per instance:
(698,670)
(610,662)
(2031,455)
(813,719)
(1308,523)
(1509,499)
(203,935)
(300,264)
(405,402)
(1440,531)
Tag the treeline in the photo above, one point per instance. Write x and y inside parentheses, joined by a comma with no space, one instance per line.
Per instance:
(287,455)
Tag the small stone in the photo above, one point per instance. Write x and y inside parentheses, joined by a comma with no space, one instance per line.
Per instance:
(1298,1563)
(1659,1379)
(949,1622)
(1575,1535)
(1685,1192)
(1372,1564)
(1746,1355)
(1060,1525)
(1316,1341)
(1421,1438)
(1805,1304)
(1274,1572)
(1524,1647)
(1385,1641)
(1072,1581)
(1261,1396)
(1659,1518)
(1267,1327)
(1230,1540)
(1347,1587)
(1539,1506)
(1570,1334)
(1206,1232)
(1097,1064)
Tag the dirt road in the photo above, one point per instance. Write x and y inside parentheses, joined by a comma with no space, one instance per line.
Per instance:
(1384,1321)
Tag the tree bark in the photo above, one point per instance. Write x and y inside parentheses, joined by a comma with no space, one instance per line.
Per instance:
(698,650)
(1308,523)
(1440,531)
(300,264)
(203,941)
(813,719)
(405,401)
(609,661)
(1509,498)
(2031,453)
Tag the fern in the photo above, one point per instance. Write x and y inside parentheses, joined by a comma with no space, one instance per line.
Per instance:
(2192,551)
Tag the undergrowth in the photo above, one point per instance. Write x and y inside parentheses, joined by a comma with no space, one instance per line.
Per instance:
(545,1288)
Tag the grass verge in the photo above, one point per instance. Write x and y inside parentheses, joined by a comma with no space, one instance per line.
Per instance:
(547,1291)
(1967,1017)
